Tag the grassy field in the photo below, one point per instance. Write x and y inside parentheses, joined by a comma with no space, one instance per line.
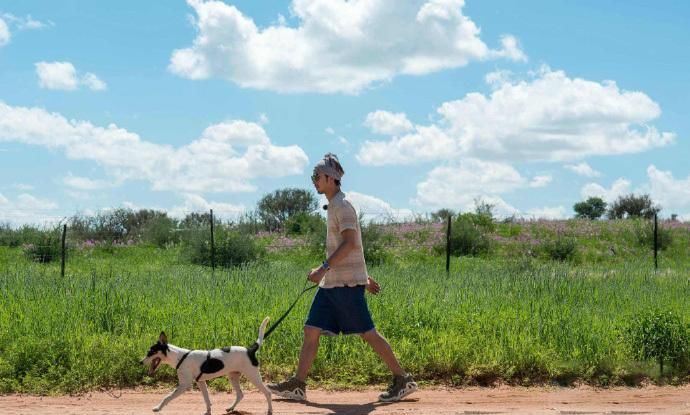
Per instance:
(520,320)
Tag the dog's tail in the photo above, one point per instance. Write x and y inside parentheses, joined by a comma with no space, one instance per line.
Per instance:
(251,350)
(262,330)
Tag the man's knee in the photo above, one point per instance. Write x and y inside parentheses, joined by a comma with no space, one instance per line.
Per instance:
(369,335)
(311,334)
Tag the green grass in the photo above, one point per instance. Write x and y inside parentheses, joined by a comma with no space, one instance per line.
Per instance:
(520,321)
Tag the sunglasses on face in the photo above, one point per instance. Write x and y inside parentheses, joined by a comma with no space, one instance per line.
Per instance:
(315,177)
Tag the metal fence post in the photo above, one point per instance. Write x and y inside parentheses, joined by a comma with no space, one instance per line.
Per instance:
(448,245)
(213,248)
(656,243)
(62,266)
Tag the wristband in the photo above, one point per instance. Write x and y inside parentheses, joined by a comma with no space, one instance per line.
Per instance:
(325,265)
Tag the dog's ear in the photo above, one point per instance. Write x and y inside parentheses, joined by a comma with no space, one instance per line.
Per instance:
(163,339)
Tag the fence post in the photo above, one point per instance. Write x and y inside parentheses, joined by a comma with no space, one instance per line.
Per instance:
(656,246)
(448,246)
(62,266)
(213,248)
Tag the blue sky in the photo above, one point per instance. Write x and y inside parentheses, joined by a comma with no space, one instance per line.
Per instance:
(528,105)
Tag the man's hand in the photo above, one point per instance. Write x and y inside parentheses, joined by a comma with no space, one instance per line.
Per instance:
(316,275)
(373,286)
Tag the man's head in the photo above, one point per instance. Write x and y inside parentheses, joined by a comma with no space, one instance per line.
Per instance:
(327,174)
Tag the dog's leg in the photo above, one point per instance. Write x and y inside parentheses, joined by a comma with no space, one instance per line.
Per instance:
(255,377)
(204,392)
(181,388)
(235,380)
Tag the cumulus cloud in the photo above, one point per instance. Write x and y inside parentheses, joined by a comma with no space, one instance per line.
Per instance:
(8,21)
(619,188)
(63,76)
(551,213)
(583,169)
(337,46)
(4,33)
(226,157)
(28,209)
(388,123)
(458,186)
(672,194)
(550,117)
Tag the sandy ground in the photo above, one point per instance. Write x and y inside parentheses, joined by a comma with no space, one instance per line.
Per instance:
(501,400)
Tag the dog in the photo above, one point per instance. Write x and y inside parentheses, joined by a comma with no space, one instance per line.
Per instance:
(202,365)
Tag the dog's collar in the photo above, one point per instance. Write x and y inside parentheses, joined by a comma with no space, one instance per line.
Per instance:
(184,356)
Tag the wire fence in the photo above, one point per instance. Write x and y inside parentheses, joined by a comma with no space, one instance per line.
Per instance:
(411,232)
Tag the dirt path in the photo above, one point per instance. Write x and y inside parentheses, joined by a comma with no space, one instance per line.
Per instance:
(501,400)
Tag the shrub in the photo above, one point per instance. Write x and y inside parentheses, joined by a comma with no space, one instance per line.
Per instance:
(276,208)
(644,233)
(560,249)
(468,235)
(231,248)
(305,223)
(658,335)
(374,242)
(160,231)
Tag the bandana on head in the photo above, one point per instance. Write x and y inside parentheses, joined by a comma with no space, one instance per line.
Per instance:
(330,166)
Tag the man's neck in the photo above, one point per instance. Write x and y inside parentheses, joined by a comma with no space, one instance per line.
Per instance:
(331,194)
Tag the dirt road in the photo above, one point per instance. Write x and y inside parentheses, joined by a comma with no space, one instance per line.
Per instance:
(501,400)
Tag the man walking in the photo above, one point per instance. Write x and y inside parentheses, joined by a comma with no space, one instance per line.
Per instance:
(339,305)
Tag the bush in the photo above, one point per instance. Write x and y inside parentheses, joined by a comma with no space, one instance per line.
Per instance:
(305,223)
(276,208)
(231,248)
(644,233)
(658,335)
(468,235)
(42,246)
(374,242)
(160,231)
(560,249)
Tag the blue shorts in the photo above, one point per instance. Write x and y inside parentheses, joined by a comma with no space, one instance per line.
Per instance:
(340,310)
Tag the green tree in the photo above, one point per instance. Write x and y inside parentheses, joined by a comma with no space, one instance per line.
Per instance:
(276,208)
(593,208)
(633,206)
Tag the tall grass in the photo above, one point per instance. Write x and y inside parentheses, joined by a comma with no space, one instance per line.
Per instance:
(521,322)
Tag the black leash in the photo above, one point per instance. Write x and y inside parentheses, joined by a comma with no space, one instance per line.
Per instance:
(274,325)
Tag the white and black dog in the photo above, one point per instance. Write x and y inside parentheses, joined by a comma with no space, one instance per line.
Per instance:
(202,365)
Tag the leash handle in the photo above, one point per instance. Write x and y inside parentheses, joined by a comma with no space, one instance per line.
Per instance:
(274,325)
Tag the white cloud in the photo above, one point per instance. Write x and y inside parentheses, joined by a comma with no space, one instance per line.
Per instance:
(20,23)
(551,213)
(226,157)
(540,181)
(196,203)
(63,76)
(23,187)
(84,183)
(337,46)
(388,123)
(619,188)
(458,186)
(4,33)
(673,195)
(25,23)
(583,169)
(28,209)
(549,118)
(377,210)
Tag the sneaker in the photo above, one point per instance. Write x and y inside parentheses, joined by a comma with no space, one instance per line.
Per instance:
(292,388)
(400,388)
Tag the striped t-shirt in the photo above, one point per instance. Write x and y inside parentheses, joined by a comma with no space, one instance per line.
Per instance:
(351,270)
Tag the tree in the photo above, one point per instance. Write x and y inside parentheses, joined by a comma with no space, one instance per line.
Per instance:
(442,215)
(633,206)
(593,208)
(277,207)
